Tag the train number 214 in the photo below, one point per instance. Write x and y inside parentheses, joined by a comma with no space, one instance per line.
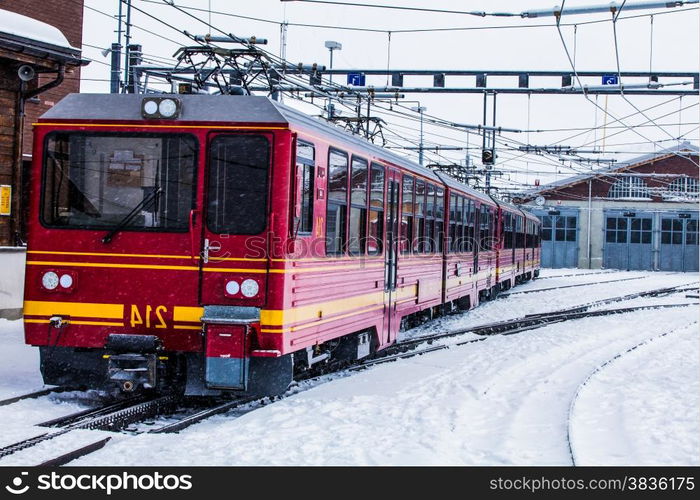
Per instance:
(152,316)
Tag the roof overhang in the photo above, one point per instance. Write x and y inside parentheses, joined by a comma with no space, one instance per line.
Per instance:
(44,53)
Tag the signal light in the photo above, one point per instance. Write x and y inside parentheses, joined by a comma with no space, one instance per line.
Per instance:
(488,157)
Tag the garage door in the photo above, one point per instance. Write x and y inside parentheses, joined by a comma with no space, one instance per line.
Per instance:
(678,250)
(559,238)
(628,241)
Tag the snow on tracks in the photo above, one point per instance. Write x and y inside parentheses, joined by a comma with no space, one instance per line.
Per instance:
(640,408)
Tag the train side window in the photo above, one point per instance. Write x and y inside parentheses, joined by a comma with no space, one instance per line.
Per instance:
(430,245)
(418,242)
(358,206)
(305,176)
(440,219)
(460,222)
(527,233)
(454,224)
(336,211)
(468,218)
(483,227)
(406,241)
(375,242)
(519,236)
(505,233)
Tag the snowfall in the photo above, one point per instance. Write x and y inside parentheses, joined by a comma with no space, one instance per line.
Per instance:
(611,390)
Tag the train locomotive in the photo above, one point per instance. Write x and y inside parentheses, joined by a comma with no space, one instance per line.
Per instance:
(218,244)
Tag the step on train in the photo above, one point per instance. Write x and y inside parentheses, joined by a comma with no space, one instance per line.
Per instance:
(220,244)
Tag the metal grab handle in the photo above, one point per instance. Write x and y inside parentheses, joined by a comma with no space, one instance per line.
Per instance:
(193,236)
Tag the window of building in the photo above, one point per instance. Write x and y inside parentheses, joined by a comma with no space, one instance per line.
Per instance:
(691,232)
(640,230)
(629,187)
(684,188)
(671,231)
(565,228)
(616,230)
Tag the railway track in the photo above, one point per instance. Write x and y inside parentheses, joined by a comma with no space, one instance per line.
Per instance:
(503,328)
(110,418)
(117,416)
(574,275)
(597,370)
(37,394)
(521,292)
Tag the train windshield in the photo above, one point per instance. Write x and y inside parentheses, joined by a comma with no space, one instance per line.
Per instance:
(132,181)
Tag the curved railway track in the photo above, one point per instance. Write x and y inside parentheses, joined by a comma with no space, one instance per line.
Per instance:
(574,275)
(521,292)
(597,370)
(118,416)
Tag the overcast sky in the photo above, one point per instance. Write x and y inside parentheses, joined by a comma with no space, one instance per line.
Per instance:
(481,43)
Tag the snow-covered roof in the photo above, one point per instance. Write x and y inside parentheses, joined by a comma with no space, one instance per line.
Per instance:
(21,26)
(684,147)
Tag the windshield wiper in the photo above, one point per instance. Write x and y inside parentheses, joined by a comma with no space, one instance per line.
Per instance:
(128,217)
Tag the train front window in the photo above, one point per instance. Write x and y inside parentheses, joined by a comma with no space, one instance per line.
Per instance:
(134,181)
(238,172)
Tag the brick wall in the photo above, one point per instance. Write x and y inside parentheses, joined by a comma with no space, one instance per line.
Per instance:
(67,16)
(9,85)
(600,186)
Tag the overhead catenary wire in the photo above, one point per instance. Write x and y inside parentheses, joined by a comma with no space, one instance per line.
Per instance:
(578,79)
(556,11)
(444,124)
(410,30)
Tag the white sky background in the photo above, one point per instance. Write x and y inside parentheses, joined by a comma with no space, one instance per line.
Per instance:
(675,48)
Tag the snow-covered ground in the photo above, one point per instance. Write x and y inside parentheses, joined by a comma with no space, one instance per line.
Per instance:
(505,400)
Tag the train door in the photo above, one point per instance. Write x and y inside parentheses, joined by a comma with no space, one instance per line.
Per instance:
(476,241)
(499,240)
(391,323)
(235,218)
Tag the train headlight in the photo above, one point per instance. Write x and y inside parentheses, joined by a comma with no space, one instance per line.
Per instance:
(232,287)
(160,107)
(150,107)
(66,281)
(250,288)
(167,108)
(49,280)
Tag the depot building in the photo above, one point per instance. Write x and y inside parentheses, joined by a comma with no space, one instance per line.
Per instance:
(641,215)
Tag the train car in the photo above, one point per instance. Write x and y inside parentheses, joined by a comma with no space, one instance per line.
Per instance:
(219,244)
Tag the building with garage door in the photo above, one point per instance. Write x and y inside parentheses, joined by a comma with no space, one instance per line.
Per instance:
(642,215)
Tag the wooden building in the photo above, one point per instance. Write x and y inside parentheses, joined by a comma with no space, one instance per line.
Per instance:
(40,61)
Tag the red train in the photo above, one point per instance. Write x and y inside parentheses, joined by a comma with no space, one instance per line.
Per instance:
(221,243)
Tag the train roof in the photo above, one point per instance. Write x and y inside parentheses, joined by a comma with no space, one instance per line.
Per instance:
(245,109)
